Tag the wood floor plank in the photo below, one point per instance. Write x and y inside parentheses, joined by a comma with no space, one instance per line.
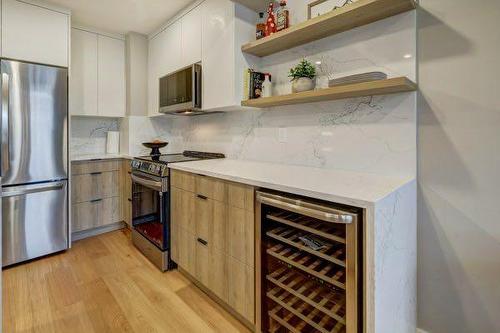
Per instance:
(104,285)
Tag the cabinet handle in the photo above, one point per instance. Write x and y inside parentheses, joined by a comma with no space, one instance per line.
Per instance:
(204,242)
(202,197)
(129,199)
(95,173)
(95,200)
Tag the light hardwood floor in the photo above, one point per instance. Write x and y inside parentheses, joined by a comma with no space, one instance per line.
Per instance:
(102,285)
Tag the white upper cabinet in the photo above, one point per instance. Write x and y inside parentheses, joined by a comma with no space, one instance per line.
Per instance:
(164,57)
(83,82)
(97,81)
(170,58)
(212,32)
(33,33)
(225,27)
(191,37)
(111,77)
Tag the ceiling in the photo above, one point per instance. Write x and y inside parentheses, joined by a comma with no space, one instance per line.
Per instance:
(122,16)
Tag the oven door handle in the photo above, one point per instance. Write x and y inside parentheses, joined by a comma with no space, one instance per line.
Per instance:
(153,184)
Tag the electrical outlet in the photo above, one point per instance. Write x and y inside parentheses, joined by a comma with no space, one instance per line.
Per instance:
(282,135)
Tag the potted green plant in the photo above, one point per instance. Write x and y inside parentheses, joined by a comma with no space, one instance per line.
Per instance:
(303,76)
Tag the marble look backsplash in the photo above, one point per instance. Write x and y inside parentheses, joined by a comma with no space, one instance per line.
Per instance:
(370,134)
(88,134)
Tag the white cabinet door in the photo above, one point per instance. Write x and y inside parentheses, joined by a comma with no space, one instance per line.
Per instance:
(111,77)
(153,76)
(83,80)
(191,37)
(33,33)
(218,53)
(170,58)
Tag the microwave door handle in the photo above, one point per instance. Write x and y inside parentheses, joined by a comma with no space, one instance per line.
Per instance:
(5,153)
(197,86)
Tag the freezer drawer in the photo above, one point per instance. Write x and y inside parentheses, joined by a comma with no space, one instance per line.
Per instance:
(35,221)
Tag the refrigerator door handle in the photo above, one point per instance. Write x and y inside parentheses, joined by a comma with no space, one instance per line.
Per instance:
(29,189)
(5,153)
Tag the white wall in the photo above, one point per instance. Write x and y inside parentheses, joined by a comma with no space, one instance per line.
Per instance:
(459,165)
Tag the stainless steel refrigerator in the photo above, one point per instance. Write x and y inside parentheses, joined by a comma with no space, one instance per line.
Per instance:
(34,160)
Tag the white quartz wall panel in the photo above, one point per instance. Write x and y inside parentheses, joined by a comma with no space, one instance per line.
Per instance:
(395,261)
(364,134)
(88,134)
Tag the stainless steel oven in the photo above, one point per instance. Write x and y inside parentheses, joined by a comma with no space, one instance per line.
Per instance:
(150,217)
(180,92)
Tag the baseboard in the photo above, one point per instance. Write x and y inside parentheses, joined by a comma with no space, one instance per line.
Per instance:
(419,330)
(97,231)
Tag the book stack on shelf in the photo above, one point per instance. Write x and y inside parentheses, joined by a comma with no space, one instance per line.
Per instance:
(253,84)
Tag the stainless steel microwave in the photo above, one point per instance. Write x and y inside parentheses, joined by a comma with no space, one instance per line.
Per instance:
(180,92)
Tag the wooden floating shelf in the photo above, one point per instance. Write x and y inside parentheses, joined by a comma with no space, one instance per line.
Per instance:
(351,16)
(380,87)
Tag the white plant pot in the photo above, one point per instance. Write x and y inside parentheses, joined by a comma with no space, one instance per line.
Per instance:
(303,84)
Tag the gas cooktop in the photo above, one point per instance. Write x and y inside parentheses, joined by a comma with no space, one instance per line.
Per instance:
(157,164)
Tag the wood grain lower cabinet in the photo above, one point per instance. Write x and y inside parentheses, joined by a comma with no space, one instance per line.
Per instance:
(96,185)
(212,223)
(241,235)
(241,285)
(97,192)
(218,273)
(126,192)
(96,213)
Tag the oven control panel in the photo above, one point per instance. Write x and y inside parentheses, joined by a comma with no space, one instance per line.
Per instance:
(151,168)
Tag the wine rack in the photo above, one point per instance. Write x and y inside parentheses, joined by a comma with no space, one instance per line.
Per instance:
(310,265)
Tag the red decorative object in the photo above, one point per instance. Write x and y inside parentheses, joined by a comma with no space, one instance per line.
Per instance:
(271,20)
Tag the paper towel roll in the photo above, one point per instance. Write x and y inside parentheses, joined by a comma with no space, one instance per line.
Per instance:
(113,143)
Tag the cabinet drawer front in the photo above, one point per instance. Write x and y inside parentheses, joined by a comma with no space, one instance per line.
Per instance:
(240,196)
(85,216)
(182,180)
(79,168)
(211,188)
(218,228)
(111,210)
(182,210)
(201,263)
(94,214)
(203,217)
(86,187)
(186,251)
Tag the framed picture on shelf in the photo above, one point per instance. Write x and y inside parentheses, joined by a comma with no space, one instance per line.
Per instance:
(320,7)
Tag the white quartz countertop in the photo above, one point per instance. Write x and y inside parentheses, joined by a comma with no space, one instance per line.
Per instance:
(340,186)
(88,157)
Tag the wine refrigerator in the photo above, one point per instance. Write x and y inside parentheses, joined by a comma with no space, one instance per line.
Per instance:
(309,265)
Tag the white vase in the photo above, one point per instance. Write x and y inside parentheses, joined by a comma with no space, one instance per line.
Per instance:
(302,84)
